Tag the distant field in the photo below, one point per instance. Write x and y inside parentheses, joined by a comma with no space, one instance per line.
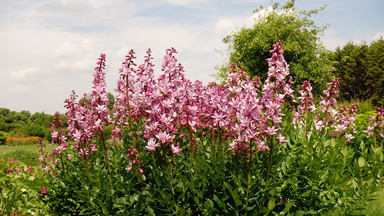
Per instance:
(4,149)
(27,153)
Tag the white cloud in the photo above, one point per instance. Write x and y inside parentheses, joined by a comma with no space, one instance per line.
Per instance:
(187,3)
(224,26)
(25,74)
(19,88)
(51,46)
(69,48)
(65,49)
(378,36)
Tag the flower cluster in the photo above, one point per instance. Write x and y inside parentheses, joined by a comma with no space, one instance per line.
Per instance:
(376,123)
(12,141)
(16,170)
(237,110)
(338,122)
(244,114)
(58,135)
(344,121)
(133,160)
(88,117)
(306,103)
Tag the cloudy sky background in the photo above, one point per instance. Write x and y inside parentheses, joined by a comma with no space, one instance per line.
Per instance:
(49,47)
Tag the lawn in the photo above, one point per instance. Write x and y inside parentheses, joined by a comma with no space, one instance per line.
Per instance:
(27,153)
(375,207)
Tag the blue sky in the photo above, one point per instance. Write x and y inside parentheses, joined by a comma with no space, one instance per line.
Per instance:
(49,47)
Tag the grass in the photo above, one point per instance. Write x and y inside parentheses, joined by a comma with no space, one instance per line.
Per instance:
(26,154)
(374,208)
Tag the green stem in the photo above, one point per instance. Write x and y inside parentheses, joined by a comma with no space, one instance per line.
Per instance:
(105,150)
(249,173)
(62,163)
(169,174)
(270,159)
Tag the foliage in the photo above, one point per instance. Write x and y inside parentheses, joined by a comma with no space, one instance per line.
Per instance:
(182,148)
(249,47)
(3,137)
(23,124)
(365,107)
(20,186)
(360,69)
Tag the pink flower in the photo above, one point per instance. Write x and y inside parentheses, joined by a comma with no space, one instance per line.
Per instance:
(340,128)
(348,137)
(43,190)
(164,137)
(83,152)
(69,158)
(177,149)
(129,167)
(41,158)
(270,131)
(60,148)
(281,138)
(93,147)
(319,125)
(10,170)
(152,145)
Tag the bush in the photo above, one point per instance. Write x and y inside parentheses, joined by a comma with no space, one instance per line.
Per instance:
(3,137)
(34,130)
(20,186)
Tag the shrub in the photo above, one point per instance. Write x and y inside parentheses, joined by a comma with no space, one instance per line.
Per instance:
(20,186)
(3,137)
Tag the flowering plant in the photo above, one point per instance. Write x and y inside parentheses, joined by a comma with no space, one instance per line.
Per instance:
(180,147)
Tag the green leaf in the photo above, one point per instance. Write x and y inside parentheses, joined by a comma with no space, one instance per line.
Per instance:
(219,202)
(208,204)
(134,198)
(333,142)
(306,194)
(150,211)
(236,197)
(271,204)
(361,162)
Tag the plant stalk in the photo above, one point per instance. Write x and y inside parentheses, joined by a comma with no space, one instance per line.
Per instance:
(270,159)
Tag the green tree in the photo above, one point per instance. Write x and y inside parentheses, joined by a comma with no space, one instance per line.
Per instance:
(351,67)
(360,68)
(5,115)
(375,58)
(249,47)
(42,119)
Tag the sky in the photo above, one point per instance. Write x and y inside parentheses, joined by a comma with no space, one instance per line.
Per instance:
(50,47)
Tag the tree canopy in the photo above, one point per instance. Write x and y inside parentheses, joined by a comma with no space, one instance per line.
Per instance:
(360,68)
(303,50)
